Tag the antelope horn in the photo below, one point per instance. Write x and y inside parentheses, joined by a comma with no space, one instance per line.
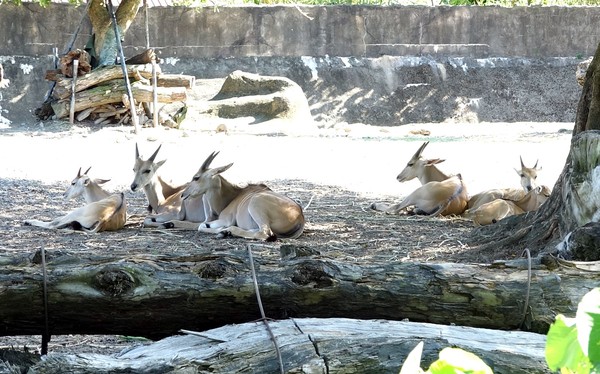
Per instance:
(420,150)
(137,153)
(79,172)
(208,161)
(154,154)
(86,170)
(522,166)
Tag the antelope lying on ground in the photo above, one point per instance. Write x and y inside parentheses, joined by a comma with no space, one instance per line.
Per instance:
(438,190)
(251,212)
(424,170)
(498,209)
(447,197)
(528,175)
(103,211)
(164,199)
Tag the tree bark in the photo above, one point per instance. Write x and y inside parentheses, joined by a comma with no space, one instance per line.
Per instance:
(155,296)
(312,346)
(573,200)
(104,46)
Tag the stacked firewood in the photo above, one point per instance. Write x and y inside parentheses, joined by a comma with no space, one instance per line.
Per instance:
(101,94)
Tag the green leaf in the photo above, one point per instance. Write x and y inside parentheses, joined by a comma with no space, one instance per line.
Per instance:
(588,325)
(562,347)
(456,360)
(412,364)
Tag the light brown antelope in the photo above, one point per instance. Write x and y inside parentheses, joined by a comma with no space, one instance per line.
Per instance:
(90,189)
(164,199)
(448,197)
(102,212)
(422,169)
(251,212)
(528,175)
(494,211)
(487,196)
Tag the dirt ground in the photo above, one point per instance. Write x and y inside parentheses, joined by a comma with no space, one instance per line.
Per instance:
(335,173)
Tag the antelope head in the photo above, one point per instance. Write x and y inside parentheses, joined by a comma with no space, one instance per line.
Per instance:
(424,170)
(80,183)
(144,170)
(205,179)
(528,175)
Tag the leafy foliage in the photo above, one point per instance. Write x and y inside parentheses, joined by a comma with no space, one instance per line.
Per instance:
(451,361)
(573,344)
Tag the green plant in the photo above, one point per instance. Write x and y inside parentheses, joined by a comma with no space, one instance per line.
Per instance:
(451,361)
(573,344)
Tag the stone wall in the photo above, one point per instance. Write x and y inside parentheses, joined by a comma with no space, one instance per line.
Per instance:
(382,66)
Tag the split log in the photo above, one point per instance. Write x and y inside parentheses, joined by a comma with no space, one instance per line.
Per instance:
(99,76)
(157,295)
(113,93)
(312,346)
(176,80)
(83,66)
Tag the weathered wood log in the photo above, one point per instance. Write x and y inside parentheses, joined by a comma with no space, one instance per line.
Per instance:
(312,346)
(155,296)
(146,57)
(175,80)
(113,93)
(99,76)
(83,65)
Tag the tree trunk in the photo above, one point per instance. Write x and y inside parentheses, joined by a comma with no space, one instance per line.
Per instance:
(104,49)
(573,202)
(312,346)
(155,296)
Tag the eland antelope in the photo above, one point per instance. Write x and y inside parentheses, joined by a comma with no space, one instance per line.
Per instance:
(528,175)
(164,199)
(102,212)
(251,212)
(439,193)
(448,197)
(495,210)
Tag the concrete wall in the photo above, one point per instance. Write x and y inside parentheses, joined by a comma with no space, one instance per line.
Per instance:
(360,31)
(406,64)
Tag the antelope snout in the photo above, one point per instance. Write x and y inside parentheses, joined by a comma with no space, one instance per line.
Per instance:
(134,187)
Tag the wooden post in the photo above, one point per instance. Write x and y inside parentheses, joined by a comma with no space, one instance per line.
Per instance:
(73,83)
(154,95)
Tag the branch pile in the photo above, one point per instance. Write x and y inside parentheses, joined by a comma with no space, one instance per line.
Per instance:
(101,95)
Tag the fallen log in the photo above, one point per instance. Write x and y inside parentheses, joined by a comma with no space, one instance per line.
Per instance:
(113,93)
(98,76)
(156,295)
(311,346)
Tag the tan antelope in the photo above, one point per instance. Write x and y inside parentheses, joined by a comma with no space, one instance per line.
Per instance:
(448,197)
(437,188)
(488,196)
(528,175)
(103,211)
(494,211)
(251,212)
(422,169)
(163,198)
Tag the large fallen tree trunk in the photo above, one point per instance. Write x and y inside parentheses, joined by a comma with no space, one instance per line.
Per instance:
(312,346)
(155,296)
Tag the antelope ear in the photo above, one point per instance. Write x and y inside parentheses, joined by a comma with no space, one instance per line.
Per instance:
(434,161)
(160,163)
(102,181)
(518,172)
(220,169)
